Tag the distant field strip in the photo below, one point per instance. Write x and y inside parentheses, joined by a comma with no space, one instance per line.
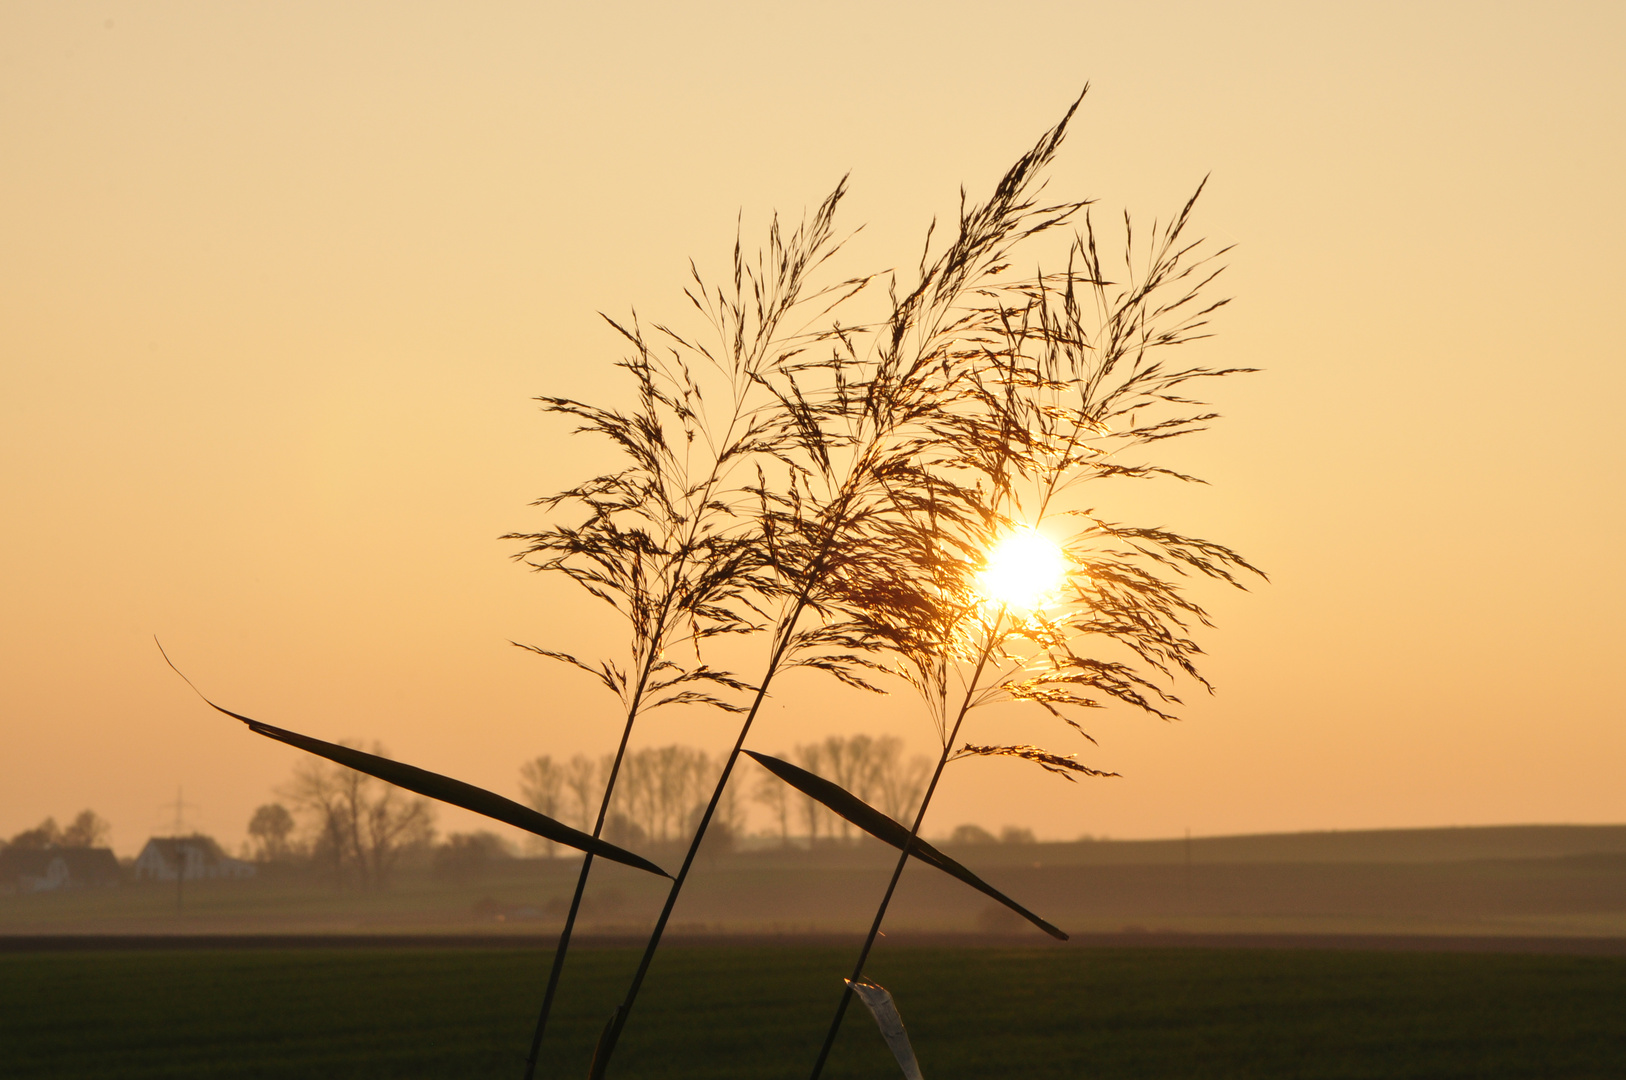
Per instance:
(758,1012)
(1462,883)
(1145,939)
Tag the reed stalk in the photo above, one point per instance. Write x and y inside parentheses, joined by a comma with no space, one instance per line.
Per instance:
(903,860)
(668,550)
(862,430)
(1052,394)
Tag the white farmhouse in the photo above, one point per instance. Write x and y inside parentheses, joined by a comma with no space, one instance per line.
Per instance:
(194,857)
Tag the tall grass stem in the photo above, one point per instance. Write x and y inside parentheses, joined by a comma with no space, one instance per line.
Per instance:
(903,856)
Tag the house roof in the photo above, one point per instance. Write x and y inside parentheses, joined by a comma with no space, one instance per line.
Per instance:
(84,864)
(166,847)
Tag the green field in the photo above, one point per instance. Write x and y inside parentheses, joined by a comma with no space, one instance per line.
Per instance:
(760,1011)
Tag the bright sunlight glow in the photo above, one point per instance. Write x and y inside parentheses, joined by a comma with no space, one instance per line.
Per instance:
(1024,570)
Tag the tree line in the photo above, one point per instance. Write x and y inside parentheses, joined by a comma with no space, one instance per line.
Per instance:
(87,830)
(662,790)
(357,829)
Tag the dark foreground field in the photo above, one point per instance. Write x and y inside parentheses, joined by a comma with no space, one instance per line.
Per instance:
(760,1011)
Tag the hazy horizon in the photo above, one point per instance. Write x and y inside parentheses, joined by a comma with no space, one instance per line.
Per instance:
(283,280)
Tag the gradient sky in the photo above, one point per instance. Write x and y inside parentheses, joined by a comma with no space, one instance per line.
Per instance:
(280,279)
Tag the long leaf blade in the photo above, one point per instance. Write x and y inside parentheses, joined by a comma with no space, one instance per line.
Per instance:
(442,789)
(845,804)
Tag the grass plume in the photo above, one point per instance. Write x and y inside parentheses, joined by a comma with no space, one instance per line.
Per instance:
(844,495)
(1074,383)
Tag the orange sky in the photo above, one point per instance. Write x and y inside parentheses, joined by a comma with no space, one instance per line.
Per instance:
(279,281)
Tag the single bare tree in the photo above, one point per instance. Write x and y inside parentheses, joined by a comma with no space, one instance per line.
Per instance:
(811,758)
(899,782)
(772,793)
(584,779)
(543,784)
(271,832)
(361,825)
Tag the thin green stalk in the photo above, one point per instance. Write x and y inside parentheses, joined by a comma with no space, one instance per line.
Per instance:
(903,856)
(653,655)
(612,1033)
(607,1045)
(576,900)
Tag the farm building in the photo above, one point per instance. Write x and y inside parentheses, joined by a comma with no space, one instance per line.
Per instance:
(51,868)
(195,857)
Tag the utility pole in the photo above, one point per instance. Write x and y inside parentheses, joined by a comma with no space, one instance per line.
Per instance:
(178,824)
(177,830)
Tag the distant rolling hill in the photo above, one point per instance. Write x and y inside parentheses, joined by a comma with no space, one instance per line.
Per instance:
(1503,880)
(1362,846)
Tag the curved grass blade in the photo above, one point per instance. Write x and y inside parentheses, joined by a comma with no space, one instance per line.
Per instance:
(845,804)
(441,788)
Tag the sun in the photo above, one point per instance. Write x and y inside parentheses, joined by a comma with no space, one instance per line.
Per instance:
(1025,570)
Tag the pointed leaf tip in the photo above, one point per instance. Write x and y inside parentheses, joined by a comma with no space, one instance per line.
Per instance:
(438,787)
(845,804)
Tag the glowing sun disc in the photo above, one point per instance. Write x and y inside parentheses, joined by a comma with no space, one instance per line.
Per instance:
(1024,571)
